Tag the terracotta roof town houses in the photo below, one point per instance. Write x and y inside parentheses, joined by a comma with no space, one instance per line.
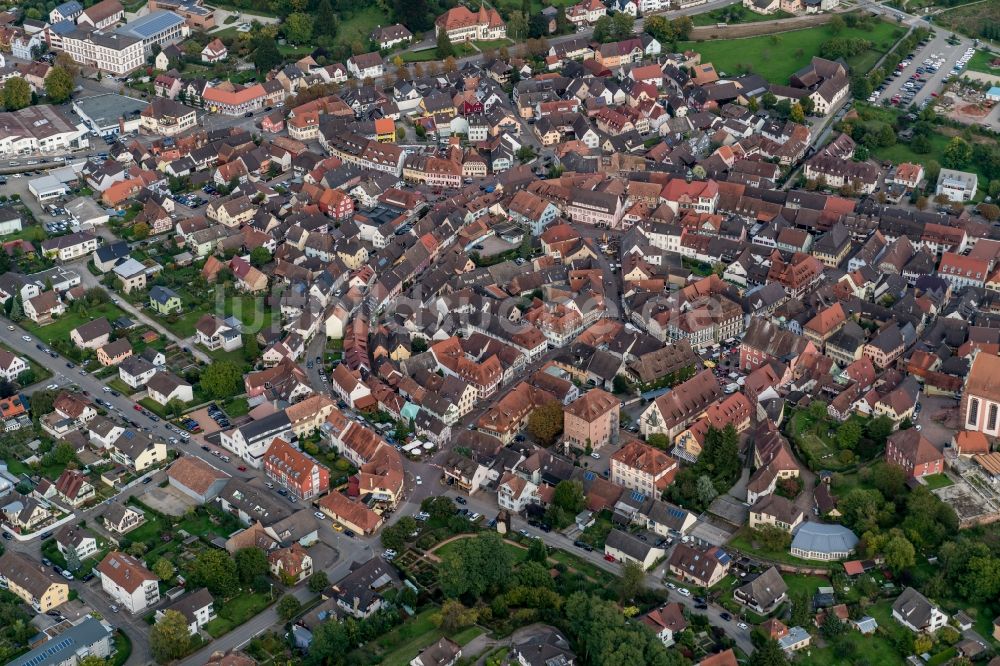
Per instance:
(403,307)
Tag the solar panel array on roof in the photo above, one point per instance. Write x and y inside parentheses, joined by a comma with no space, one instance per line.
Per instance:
(589,476)
(49,651)
(723,556)
(637,496)
(151,24)
(676,513)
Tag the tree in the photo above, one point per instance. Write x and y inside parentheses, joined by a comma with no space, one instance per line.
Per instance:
(600,629)
(817,410)
(525,154)
(932,169)
(66,61)
(538,551)
(622,25)
(16,94)
(990,212)
(832,626)
(568,496)
(880,428)
(288,607)
(140,231)
(836,25)
(683,25)
(660,28)
(215,570)
(318,582)
(164,569)
(957,153)
(61,454)
(479,565)
(890,480)
(517,25)
(266,55)
(994,188)
(259,256)
(450,64)
(395,536)
(222,379)
(42,402)
(59,85)
(444,46)
(72,559)
(849,434)
(920,144)
(922,643)
(768,653)
(768,99)
(454,616)
(796,114)
(415,14)
(603,29)
(250,563)
(299,27)
(632,580)
(899,553)
(16,314)
(801,609)
(621,384)
(808,105)
(546,423)
(772,537)
(169,638)
(538,26)
(862,509)
(439,508)
(705,489)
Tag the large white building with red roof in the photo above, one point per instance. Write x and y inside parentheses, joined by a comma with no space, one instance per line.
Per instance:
(463,25)
(128,582)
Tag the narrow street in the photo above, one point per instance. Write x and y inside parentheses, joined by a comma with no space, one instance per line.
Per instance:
(90,280)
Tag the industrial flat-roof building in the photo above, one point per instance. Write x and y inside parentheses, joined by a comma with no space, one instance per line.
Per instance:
(47,188)
(111,113)
(41,128)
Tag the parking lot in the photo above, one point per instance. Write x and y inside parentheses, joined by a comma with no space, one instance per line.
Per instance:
(922,78)
(207,423)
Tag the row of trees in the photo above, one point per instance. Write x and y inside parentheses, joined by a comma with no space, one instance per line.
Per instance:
(668,31)
(17,93)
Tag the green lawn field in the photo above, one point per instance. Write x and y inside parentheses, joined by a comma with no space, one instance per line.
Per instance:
(776,57)
(981,63)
